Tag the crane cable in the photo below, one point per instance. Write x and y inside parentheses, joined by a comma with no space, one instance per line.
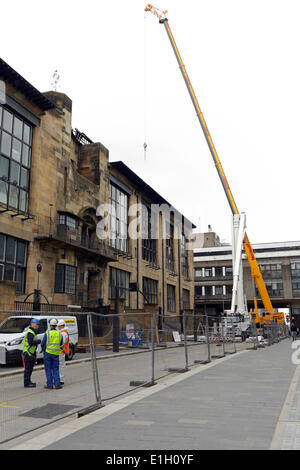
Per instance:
(145,86)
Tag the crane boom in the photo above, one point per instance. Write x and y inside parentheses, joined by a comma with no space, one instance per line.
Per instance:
(255,271)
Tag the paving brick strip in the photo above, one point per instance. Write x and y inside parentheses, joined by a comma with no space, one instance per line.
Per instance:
(233,403)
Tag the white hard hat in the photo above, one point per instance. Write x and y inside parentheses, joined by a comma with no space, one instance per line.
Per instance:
(53,322)
(61,323)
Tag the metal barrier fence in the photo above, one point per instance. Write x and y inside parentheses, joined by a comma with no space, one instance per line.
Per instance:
(97,375)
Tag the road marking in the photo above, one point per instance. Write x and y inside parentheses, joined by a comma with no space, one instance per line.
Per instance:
(202,398)
(4,405)
(192,421)
(139,423)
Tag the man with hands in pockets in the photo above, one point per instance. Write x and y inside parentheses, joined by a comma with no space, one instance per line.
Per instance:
(64,350)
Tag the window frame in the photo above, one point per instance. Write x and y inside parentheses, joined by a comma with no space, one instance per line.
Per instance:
(150,290)
(171,299)
(65,286)
(186,302)
(15,265)
(149,245)
(184,257)
(119,218)
(14,194)
(113,274)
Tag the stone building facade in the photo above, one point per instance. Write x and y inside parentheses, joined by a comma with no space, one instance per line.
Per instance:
(53,180)
(279,263)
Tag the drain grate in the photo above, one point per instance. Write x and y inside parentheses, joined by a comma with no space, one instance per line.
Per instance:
(51,410)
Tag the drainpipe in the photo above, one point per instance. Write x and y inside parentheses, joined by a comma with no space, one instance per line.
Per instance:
(137,259)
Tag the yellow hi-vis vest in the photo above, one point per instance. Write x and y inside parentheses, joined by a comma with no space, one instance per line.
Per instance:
(30,350)
(53,342)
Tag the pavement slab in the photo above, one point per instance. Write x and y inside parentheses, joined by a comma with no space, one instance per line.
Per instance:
(246,401)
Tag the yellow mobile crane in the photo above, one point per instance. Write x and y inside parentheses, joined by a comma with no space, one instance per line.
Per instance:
(270,315)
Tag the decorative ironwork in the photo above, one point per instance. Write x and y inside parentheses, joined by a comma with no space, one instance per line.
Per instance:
(81,138)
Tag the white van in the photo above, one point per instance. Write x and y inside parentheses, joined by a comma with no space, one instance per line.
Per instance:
(13,329)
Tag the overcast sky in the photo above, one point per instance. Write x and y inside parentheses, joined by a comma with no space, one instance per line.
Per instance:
(118,67)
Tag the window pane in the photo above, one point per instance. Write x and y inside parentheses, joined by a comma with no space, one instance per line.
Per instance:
(13,196)
(7,121)
(5,144)
(20,279)
(21,250)
(16,150)
(218,271)
(26,136)
(71,222)
(25,155)
(18,128)
(10,249)
(70,280)
(9,273)
(62,219)
(3,192)
(14,173)
(2,244)
(23,201)
(1,272)
(4,163)
(24,178)
(59,278)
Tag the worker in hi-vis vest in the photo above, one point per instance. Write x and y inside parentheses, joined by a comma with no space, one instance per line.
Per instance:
(30,344)
(51,344)
(64,350)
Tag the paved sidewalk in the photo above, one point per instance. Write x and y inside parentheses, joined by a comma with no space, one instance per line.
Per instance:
(233,403)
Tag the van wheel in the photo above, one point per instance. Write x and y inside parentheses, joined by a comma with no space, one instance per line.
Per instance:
(70,356)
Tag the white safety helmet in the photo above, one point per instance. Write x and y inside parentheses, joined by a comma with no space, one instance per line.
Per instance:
(53,322)
(61,323)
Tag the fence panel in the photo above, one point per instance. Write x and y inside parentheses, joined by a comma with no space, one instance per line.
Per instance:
(229,340)
(132,336)
(170,351)
(25,409)
(216,337)
(197,340)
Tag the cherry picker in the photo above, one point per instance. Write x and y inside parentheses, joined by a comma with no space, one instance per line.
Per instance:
(269,315)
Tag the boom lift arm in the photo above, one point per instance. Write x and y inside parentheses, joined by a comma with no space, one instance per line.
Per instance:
(255,271)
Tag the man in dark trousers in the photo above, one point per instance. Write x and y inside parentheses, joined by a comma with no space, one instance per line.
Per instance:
(51,344)
(30,344)
(293,329)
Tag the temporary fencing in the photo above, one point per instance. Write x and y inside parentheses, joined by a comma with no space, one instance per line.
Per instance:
(274,332)
(197,340)
(24,409)
(119,353)
(170,353)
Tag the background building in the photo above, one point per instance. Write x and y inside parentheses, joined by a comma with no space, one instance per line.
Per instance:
(280,266)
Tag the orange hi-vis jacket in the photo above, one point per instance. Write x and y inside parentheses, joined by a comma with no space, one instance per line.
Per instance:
(65,347)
